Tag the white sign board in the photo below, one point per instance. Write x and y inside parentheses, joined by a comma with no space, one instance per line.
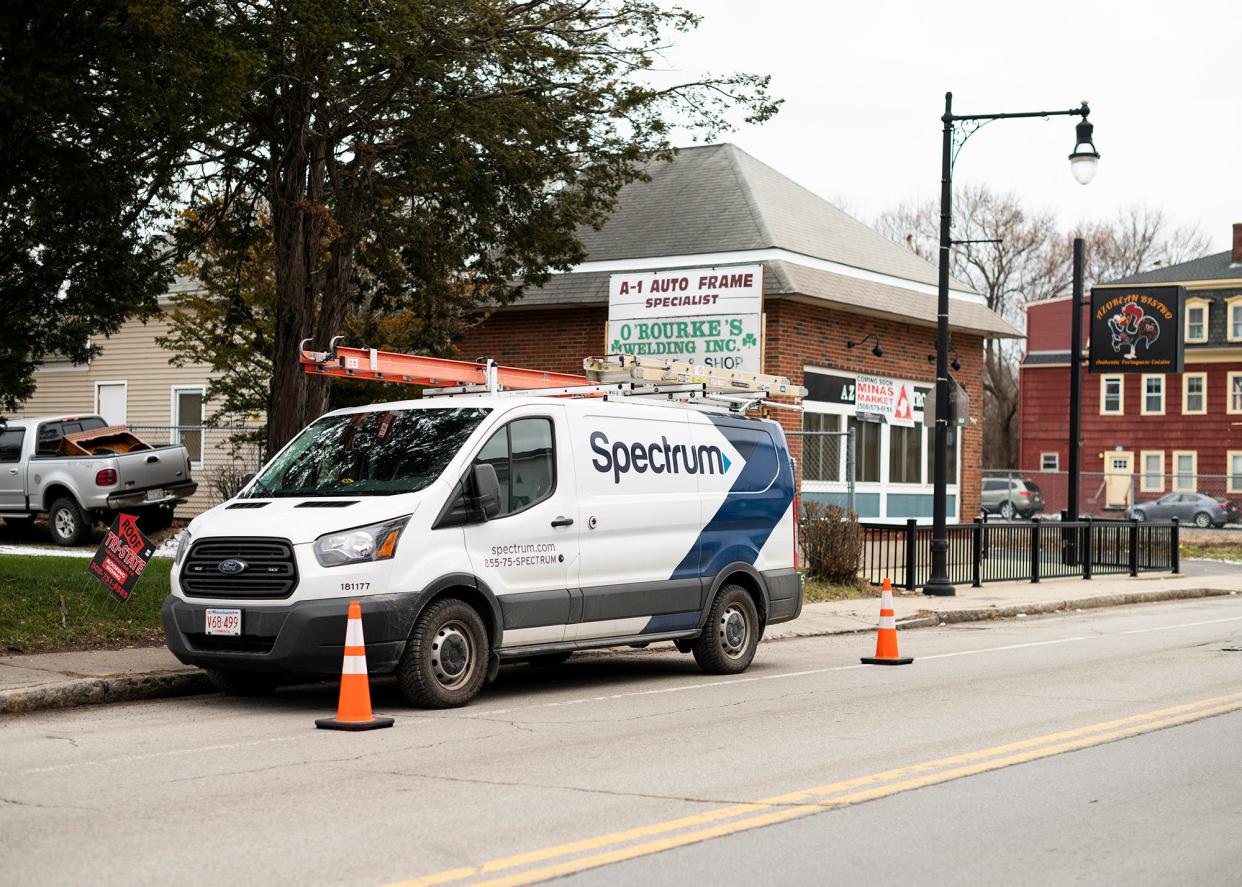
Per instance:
(892,399)
(708,316)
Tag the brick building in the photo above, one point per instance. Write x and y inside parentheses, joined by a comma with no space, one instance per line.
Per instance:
(827,280)
(1144,435)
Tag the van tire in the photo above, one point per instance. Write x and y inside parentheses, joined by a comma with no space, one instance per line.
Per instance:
(425,678)
(241,683)
(731,634)
(67,523)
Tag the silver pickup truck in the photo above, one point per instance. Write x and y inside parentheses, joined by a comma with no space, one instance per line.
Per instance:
(76,492)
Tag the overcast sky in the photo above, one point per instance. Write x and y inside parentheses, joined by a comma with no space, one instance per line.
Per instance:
(864,85)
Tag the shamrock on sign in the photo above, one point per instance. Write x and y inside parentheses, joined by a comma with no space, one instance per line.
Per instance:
(749,339)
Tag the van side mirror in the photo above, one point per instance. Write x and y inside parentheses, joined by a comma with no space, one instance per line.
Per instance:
(486,489)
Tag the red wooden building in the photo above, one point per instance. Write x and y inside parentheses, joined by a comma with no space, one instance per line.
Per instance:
(1143,435)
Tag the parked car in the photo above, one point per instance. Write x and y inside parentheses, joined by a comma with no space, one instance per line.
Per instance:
(1011,497)
(80,471)
(1204,510)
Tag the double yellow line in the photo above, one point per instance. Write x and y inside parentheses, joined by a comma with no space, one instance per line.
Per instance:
(589,853)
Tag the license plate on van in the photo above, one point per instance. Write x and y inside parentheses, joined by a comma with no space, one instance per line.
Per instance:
(224,622)
(155,494)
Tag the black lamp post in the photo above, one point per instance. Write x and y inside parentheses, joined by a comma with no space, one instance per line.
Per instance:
(1083,163)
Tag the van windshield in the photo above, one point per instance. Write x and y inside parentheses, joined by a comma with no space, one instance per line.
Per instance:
(376,453)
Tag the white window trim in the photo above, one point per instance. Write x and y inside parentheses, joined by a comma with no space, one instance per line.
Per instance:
(1229,378)
(1143,411)
(1144,486)
(1230,455)
(1186,377)
(1194,472)
(175,435)
(1232,304)
(1196,303)
(124,383)
(1121,399)
(1056,462)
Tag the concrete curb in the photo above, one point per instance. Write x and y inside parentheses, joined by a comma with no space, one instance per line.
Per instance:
(95,691)
(161,685)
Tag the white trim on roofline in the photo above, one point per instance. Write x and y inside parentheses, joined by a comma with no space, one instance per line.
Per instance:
(771,254)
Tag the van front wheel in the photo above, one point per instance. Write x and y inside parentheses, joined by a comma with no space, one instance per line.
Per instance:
(727,644)
(445,660)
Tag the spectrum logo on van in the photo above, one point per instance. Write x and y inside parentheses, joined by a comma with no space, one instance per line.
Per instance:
(658,458)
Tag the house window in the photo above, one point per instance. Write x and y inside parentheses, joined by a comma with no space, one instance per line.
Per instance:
(1112,391)
(1152,479)
(1234,313)
(1194,394)
(1234,460)
(1153,395)
(905,451)
(1185,471)
(1235,393)
(866,450)
(1196,320)
(187,417)
(111,401)
(1049,461)
(821,453)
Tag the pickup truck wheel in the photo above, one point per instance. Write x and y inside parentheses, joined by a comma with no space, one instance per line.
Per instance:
(67,523)
(445,660)
(242,683)
(731,635)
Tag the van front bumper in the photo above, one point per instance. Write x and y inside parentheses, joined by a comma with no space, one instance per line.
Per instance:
(305,638)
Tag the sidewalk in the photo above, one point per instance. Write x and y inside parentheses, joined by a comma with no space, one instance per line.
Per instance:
(61,680)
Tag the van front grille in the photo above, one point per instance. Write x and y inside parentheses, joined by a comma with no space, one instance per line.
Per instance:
(245,567)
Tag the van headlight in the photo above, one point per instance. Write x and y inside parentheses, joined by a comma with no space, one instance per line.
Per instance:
(183,545)
(375,542)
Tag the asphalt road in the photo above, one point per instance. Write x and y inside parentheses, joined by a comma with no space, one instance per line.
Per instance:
(1083,748)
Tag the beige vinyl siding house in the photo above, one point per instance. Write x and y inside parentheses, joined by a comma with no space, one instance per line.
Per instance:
(132,382)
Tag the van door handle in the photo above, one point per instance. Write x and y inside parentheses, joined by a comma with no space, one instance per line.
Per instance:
(563,522)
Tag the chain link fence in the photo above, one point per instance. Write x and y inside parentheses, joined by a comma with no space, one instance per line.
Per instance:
(221,456)
(826,465)
(1024,494)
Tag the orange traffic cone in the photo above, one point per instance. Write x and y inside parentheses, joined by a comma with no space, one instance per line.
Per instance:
(353,712)
(886,641)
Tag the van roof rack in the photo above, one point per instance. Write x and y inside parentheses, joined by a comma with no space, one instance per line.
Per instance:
(612,377)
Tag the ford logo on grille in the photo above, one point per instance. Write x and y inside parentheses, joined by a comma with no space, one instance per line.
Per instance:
(232,565)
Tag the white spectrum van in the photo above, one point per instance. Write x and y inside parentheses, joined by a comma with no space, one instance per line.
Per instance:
(487,528)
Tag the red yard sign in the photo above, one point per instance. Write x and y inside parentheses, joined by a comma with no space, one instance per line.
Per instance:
(122,556)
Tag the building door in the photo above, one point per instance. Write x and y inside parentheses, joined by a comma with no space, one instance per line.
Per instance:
(110,401)
(1118,479)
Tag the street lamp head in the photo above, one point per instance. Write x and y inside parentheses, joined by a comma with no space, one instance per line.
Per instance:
(1085,160)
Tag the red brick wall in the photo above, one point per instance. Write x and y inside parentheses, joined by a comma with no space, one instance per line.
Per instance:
(557,339)
(798,334)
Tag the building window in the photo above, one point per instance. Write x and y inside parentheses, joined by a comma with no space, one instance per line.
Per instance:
(1234,459)
(1194,394)
(1153,395)
(866,451)
(187,416)
(1049,461)
(1196,320)
(905,451)
(1235,393)
(1233,311)
(1185,471)
(1112,395)
(1152,480)
(821,453)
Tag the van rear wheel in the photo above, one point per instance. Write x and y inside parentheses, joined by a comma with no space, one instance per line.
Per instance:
(731,635)
(445,660)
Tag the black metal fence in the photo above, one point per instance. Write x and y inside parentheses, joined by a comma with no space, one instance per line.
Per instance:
(1005,552)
